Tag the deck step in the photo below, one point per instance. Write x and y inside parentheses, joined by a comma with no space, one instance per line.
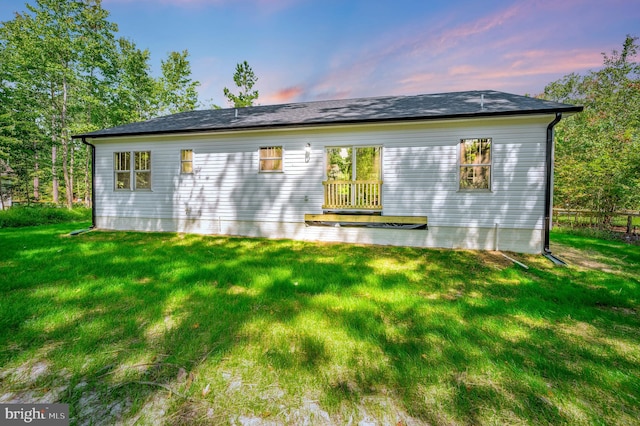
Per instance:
(365,219)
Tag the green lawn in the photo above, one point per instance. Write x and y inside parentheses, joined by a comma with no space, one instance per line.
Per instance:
(35,214)
(185,329)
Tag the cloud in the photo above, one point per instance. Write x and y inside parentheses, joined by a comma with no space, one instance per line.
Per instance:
(478,28)
(393,64)
(524,72)
(286,95)
(513,48)
(535,62)
(511,71)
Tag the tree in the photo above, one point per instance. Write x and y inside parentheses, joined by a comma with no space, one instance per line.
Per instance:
(51,48)
(22,102)
(63,72)
(177,92)
(245,79)
(598,150)
(133,90)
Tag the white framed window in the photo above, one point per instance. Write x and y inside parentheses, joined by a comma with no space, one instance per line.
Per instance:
(354,163)
(130,178)
(122,170)
(186,161)
(475,164)
(271,159)
(353,178)
(142,169)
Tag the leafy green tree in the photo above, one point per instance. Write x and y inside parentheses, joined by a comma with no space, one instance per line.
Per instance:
(598,150)
(47,47)
(177,92)
(133,89)
(245,79)
(62,71)
(96,71)
(22,135)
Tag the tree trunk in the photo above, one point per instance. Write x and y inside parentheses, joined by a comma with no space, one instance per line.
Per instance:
(65,146)
(36,176)
(54,174)
(65,173)
(55,187)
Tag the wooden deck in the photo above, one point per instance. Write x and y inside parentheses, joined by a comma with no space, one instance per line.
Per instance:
(364,219)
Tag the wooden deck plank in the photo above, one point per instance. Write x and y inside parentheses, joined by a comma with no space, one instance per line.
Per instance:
(364,218)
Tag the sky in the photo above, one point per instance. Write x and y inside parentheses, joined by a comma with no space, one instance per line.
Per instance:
(307,50)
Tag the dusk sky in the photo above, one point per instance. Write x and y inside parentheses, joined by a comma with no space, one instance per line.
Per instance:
(305,50)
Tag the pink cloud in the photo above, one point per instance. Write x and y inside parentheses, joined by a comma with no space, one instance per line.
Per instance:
(482,25)
(283,96)
(511,72)
(497,51)
(533,63)
(419,57)
(554,62)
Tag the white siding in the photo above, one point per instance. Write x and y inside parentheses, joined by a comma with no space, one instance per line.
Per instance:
(226,194)
(421,176)
(225,182)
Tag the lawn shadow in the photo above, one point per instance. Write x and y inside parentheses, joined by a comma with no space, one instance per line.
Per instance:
(120,319)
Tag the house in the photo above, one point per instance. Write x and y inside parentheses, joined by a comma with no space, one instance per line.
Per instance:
(458,170)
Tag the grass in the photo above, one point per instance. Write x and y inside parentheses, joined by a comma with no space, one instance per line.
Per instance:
(21,216)
(185,329)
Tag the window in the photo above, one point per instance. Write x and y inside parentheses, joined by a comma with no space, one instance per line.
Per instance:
(143,169)
(122,170)
(186,161)
(354,178)
(139,176)
(271,159)
(475,164)
(354,163)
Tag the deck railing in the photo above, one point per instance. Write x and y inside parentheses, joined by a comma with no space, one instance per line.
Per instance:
(359,194)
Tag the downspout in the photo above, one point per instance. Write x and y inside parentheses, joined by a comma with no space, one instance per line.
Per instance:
(93,181)
(549,176)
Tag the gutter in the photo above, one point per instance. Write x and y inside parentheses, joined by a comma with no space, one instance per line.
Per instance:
(549,187)
(93,180)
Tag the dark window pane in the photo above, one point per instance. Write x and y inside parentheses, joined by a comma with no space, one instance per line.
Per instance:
(123,180)
(476,177)
(143,180)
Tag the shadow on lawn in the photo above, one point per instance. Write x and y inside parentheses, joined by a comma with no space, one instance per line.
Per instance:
(109,311)
(448,337)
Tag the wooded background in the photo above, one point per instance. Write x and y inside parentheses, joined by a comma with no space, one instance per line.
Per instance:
(63,71)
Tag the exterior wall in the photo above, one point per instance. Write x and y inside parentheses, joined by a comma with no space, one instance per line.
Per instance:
(519,240)
(227,195)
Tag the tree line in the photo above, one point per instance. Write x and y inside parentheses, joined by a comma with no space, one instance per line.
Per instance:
(597,157)
(63,71)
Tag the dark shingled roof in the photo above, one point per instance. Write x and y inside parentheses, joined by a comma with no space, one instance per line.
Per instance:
(363,110)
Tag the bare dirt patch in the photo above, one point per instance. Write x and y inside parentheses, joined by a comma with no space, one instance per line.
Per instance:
(582,258)
(23,383)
